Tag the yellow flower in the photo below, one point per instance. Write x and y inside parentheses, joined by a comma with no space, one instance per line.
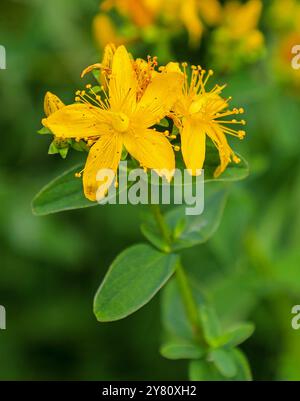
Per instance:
(141,12)
(192,14)
(105,32)
(282,60)
(285,15)
(52,103)
(242,19)
(123,118)
(237,40)
(200,113)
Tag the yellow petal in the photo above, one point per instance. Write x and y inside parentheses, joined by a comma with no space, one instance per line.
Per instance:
(104,154)
(78,121)
(225,152)
(191,19)
(193,139)
(152,150)
(123,82)
(159,97)
(52,103)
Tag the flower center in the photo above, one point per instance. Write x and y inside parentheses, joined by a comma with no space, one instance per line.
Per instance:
(120,122)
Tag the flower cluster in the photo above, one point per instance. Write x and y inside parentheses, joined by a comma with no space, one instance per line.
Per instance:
(121,116)
(238,36)
(146,15)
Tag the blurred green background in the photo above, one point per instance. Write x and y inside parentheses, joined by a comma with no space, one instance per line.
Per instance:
(52,266)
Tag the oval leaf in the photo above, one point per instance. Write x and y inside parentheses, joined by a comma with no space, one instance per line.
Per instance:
(211,325)
(198,229)
(63,193)
(236,335)
(242,365)
(224,362)
(181,350)
(204,371)
(132,280)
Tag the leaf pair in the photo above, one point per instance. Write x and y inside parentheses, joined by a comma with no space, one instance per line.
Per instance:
(219,359)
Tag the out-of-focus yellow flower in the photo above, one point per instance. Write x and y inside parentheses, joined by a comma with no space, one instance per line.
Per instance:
(121,117)
(238,40)
(141,12)
(105,32)
(200,113)
(193,14)
(285,15)
(282,60)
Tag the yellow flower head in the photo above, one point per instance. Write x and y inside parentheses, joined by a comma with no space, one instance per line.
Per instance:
(123,116)
(141,12)
(200,113)
(282,60)
(285,15)
(105,31)
(192,14)
(238,40)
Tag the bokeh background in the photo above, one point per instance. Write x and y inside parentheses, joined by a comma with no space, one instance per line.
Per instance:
(52,266)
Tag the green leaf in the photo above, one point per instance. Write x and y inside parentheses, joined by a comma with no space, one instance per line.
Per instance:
(63,193)
(53,149)
(44,131)
(153,235)
(189,231)
(224,362)
(63,152)
(203,371)
(181,350)
(79,146)
(242,365)
(236,335)
(211,325)
(97,75)
(132,280)
(96,89)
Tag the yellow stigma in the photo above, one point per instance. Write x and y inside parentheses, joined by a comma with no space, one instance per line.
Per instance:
(120,122)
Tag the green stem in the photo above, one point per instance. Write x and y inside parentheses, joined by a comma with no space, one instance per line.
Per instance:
(163,228)
(189,302)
